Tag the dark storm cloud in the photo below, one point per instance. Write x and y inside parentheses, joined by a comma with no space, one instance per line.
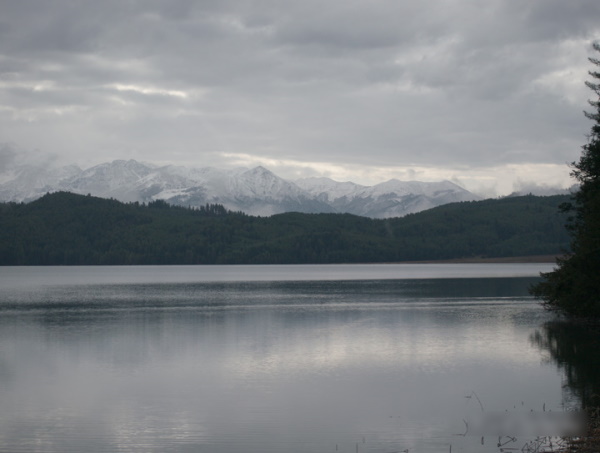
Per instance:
(393,84)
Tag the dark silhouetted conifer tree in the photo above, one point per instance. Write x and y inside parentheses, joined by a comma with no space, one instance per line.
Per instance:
(574,286)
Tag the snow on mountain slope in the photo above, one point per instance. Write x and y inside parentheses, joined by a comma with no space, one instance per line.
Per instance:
(392,198)
(256,191)
(118,179)
(327,189)
(171,182)
(261,183)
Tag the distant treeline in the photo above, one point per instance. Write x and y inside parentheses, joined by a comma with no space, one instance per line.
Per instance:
(68,229)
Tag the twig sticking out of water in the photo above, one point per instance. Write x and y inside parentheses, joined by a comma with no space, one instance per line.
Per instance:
(477,398)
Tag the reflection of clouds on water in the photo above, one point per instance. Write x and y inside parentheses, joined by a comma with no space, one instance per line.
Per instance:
(267,367)
(411,340)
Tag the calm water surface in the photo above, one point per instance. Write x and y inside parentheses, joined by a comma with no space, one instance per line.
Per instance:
(367,358)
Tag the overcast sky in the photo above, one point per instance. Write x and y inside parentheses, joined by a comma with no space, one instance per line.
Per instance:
(488,94)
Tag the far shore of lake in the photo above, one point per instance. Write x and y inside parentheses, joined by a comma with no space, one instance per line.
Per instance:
(505,259)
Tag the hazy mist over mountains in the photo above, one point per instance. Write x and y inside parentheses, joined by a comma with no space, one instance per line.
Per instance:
(255,191)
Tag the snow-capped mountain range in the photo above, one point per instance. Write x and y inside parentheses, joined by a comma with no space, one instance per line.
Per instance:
(255,191)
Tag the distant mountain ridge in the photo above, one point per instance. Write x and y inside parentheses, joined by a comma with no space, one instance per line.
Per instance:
(255,191)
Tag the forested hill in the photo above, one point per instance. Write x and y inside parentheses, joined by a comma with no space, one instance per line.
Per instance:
(63,228)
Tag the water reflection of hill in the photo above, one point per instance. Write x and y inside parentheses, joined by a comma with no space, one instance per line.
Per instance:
(575,349)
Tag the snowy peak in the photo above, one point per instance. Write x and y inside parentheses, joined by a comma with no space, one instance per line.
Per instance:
(260,182)
(256,191)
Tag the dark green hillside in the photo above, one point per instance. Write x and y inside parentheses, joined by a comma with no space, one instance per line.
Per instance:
(516,226)
(64,228)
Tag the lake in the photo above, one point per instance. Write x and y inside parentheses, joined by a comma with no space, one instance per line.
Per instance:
(332,358)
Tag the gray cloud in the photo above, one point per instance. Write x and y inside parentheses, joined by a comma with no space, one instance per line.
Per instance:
(7,155)
(381,84)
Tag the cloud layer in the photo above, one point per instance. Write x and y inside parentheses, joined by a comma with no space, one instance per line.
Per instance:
(489,94)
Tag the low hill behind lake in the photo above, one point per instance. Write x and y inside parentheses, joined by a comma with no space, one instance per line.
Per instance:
(67,229)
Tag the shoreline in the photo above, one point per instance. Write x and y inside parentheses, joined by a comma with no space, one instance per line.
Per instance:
(506,259)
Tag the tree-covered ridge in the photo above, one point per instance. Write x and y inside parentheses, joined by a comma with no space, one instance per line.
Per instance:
(63,228)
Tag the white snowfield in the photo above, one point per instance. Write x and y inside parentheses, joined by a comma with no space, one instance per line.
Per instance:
(255,191)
